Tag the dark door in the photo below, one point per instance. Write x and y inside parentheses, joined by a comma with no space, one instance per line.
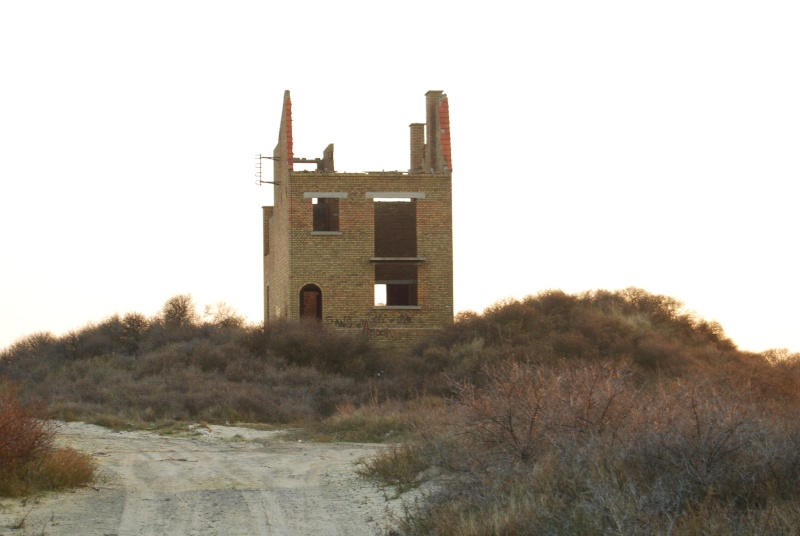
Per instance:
(311,302)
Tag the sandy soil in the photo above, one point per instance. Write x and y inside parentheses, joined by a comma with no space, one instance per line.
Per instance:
(227,481)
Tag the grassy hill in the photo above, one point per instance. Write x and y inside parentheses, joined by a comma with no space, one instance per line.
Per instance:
(601,412)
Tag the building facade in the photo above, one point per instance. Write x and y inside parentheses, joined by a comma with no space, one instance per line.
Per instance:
(363,251)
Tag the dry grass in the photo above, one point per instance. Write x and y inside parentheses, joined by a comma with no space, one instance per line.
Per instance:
(399,466)
(390,421)
(63,468)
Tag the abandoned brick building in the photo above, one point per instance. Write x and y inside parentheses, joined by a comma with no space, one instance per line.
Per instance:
(363,251)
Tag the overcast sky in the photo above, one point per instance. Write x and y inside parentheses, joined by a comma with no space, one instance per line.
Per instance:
(595,145)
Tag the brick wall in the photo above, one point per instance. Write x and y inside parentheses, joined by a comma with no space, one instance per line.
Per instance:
(277,262)
(342,264)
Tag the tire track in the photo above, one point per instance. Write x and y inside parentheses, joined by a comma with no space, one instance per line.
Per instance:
(230,481)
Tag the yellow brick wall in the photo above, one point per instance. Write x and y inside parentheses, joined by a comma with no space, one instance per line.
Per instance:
(340,263)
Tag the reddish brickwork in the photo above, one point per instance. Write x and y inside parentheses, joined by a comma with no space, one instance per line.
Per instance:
(286,129)
(406,245)
(444,132)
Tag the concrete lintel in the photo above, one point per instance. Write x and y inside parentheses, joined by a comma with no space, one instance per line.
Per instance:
(396,195)
(311,195)
(326,233)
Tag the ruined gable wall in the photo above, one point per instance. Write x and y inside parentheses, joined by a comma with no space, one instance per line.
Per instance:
(277,265)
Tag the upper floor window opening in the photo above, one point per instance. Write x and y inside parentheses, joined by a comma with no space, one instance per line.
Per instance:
(395,227)
(326,213)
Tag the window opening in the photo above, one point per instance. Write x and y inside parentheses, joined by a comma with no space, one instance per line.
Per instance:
(396,284)
(326,213)
(395,227)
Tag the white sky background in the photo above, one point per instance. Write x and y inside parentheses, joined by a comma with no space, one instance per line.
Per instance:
(595,145)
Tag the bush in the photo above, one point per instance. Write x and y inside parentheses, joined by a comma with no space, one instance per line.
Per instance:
(24,437)
(589,449)
(600,412)
(28,460)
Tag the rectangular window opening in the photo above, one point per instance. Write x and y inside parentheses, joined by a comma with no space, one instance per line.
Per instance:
(395,227)
(326,213)
(396,284)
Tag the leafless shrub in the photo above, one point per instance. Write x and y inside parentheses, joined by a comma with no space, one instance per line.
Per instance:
(179,311)
(223,315)
(591,449)
(28,461)
(134,327)
(24,437)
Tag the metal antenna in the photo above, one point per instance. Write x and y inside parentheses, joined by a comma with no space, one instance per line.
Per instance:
(259,158)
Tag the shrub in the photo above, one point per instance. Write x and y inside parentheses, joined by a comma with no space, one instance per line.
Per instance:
(590,449)
(313,344)
(24,437)
(28,461)
(179,311)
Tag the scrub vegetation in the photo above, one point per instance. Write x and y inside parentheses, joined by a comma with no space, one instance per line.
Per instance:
(29,461)
(594,413)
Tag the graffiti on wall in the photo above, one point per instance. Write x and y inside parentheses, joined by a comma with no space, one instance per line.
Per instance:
(377,324)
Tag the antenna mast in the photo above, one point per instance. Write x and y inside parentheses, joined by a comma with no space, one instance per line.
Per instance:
(259,158)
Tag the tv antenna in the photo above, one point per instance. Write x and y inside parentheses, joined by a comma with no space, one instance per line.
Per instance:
(259,158)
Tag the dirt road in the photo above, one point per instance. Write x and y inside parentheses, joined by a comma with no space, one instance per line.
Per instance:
(226,481)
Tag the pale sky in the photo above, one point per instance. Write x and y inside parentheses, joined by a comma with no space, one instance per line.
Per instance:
(595,145)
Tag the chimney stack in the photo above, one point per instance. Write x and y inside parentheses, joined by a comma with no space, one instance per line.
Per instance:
(417,147)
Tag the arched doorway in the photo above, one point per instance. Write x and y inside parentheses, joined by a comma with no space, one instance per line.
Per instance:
(311,302)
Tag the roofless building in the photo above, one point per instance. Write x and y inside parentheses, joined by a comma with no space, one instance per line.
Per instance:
(363,251)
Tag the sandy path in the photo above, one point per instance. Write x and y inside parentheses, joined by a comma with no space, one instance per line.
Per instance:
(228,481)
